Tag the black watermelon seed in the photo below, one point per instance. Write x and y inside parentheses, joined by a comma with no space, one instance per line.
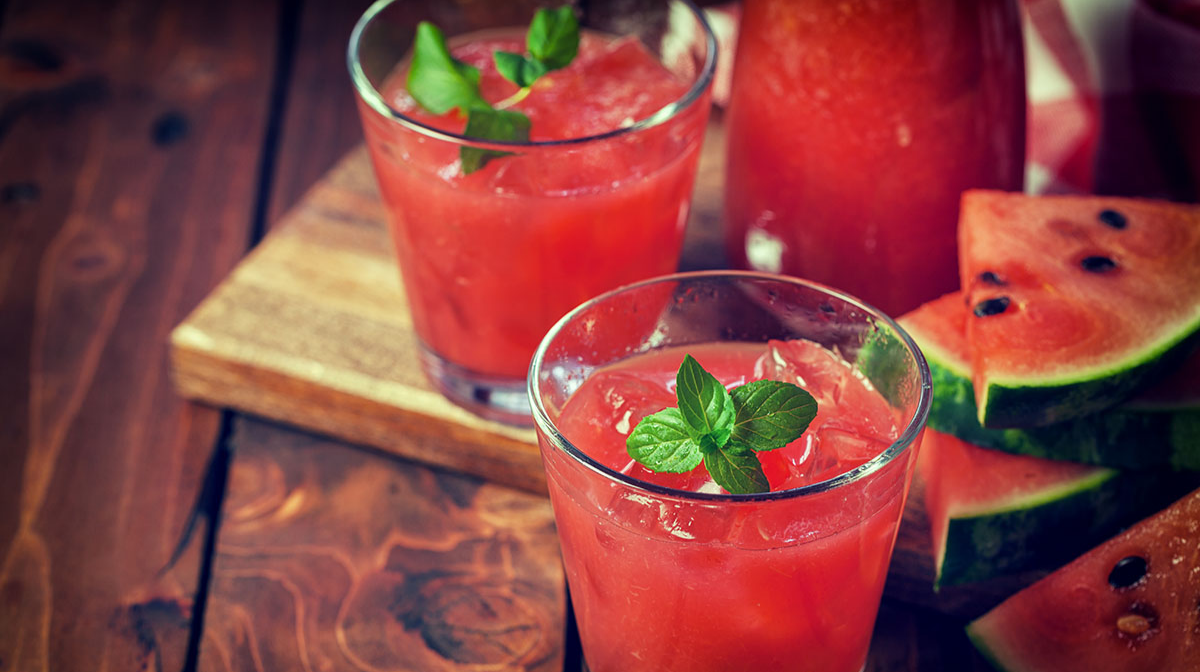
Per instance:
(33,54)
(169,129)
(1128,572)
(20,192)
(827,309)
(1097,264)
(990,278)
(990,307)
(1113,218)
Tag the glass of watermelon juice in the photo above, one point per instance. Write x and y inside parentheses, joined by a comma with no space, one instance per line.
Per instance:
(852,129)
(667,571)
(596,198)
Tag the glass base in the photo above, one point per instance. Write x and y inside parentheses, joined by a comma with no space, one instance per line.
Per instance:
(491,397)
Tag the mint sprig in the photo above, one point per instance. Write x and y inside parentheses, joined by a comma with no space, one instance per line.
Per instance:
(518,69)
(440,83)
(721,429)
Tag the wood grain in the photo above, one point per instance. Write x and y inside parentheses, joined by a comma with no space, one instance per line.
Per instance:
(333,558)
(129,136)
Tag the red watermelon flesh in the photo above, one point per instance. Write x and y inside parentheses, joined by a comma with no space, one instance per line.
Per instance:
(943,322)
(1102,612)
(1078,301)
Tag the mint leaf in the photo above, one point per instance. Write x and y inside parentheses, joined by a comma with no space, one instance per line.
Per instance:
(490,124)
(517,69)
(734,467)
(553,37)
(771,414)
(661,443)
(704,403)
(722,430)
(438,81)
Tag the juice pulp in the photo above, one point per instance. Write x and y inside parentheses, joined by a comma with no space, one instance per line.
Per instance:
(666,583)
(853,129)
(490,260)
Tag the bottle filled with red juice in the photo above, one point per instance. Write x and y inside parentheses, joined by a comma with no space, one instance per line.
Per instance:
(853,128)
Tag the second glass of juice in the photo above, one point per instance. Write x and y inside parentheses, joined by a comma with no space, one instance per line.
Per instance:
(597,198)
(668,572)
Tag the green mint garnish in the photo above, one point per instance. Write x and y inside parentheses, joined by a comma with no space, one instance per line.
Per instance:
(518,69)
(553,37)
(722,429)
(704,402)
(491,124)
(440,83)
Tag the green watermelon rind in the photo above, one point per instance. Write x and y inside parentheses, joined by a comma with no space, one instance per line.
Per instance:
(1122,438)
(982,643)
(1025,402)
(1035,531)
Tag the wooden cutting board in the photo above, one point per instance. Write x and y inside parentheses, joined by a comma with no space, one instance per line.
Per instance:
(312,329)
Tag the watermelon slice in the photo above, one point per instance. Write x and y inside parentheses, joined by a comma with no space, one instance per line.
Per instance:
(992,513)
(1159,428)
(1076,302)
(1130,605)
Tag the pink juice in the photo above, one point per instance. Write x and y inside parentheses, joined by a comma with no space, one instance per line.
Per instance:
(490,260)
(662,582)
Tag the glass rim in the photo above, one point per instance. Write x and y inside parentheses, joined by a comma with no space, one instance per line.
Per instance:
(899,446)
(369,94)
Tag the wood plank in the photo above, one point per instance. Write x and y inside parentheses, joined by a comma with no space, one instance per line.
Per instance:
(333,558)
(129,138)
(319,96)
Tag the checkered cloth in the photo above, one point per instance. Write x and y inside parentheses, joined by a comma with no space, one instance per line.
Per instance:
(1114,95)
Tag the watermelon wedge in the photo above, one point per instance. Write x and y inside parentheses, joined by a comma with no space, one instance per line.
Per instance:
(1130,605)
(992,513)
(1160,428)
(1076,302)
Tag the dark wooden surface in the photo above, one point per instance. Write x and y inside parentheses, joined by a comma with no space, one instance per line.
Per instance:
(130,135)
(144,147)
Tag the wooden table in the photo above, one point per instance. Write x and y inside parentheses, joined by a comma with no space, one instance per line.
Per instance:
(145,147)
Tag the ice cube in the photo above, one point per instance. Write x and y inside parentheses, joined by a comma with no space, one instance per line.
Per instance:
(849,448)
(669,520)
(807,364)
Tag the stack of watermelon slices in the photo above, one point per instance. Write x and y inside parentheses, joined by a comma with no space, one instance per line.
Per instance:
(1066,387)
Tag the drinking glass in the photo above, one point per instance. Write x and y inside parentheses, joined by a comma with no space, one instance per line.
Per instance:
(854,127)
(491,259)
(666,580)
